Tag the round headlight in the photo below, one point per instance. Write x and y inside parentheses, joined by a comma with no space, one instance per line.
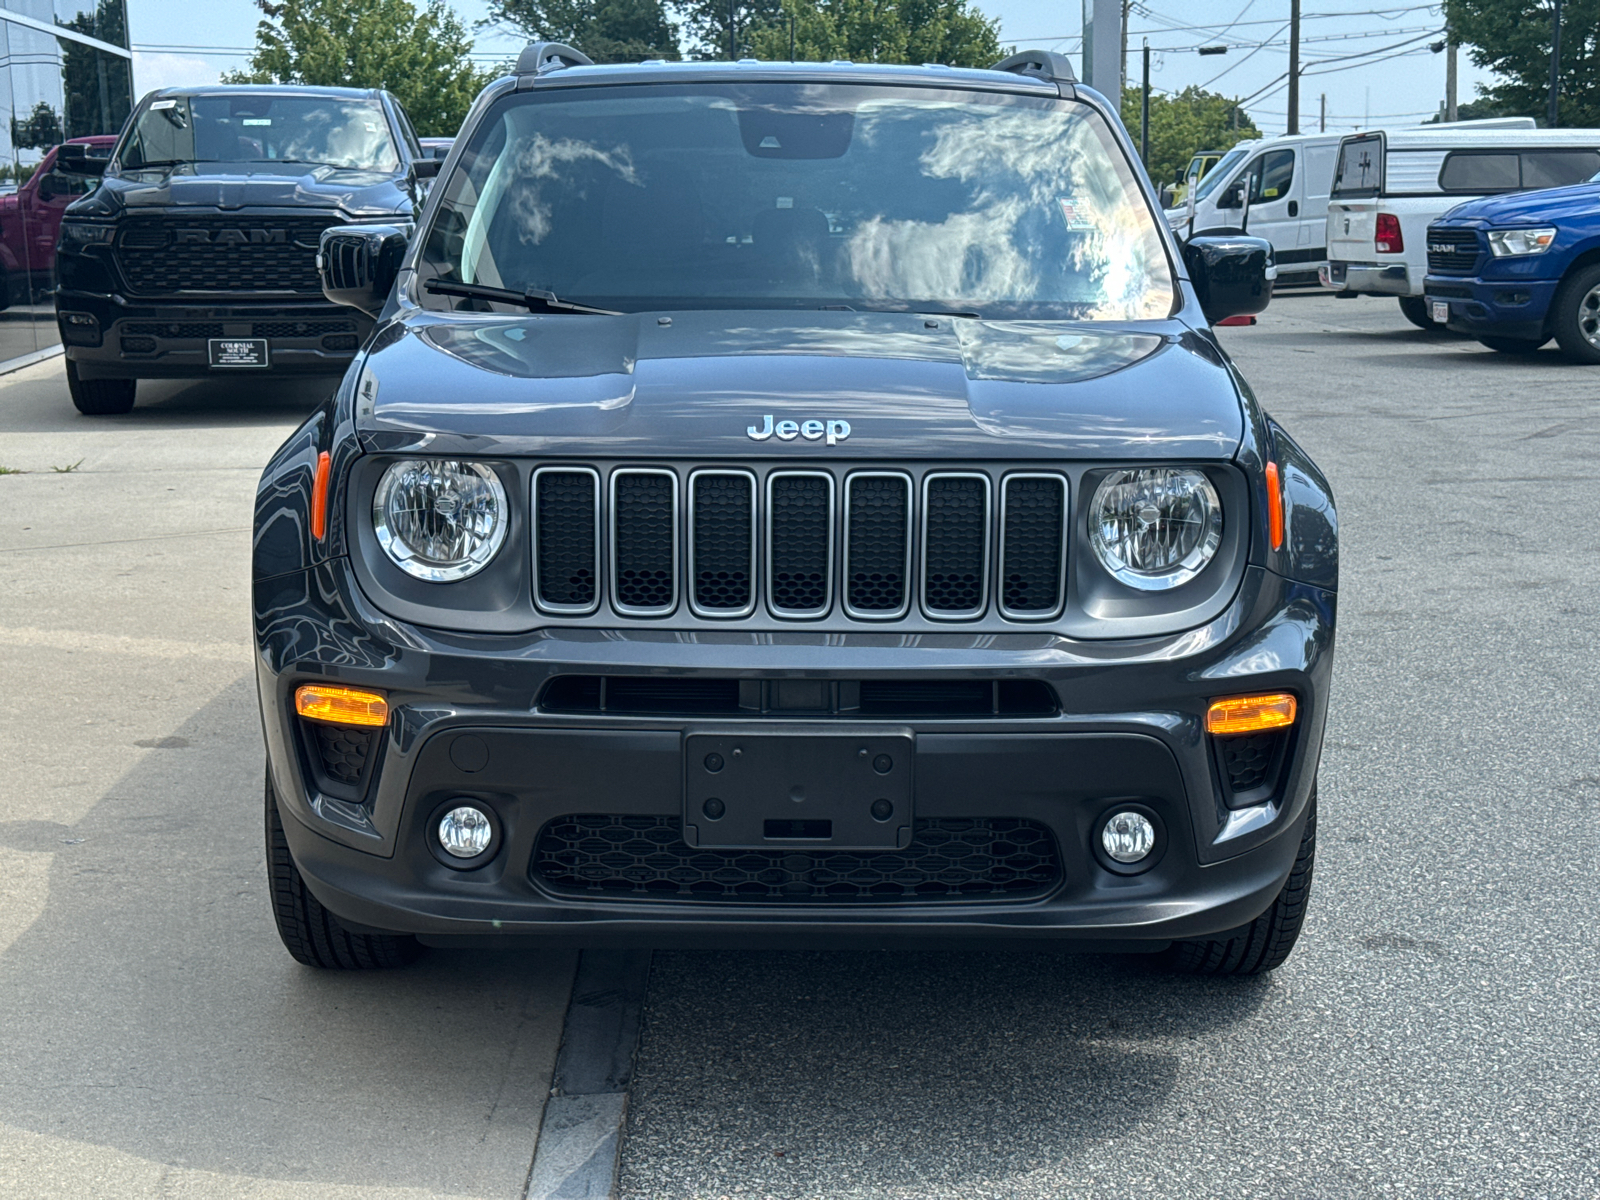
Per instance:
(1155,527)
(439,519)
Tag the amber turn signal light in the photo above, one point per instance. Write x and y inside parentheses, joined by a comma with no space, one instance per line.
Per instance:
(319,496)
(1274,508)
(1251,714)
(340,705)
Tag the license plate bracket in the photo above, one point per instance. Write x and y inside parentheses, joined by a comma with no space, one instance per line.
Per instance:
(236,353)
(800,791)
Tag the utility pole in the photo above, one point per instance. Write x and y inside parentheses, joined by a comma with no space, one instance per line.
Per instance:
(1450,79)
(1555,62)
(733,31)
(1122,59)
(1102,36)
(1322,121)
(1294,67)
(1144,110)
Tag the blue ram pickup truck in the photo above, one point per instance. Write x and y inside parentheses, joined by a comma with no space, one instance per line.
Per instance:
(1516,270)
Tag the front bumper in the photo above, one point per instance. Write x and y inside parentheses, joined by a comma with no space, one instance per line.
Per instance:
(1366,278)
(1130,730)
(1509,308)
(112,337)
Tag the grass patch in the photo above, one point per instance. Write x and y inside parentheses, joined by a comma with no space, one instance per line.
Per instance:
(67,470)
(12,471)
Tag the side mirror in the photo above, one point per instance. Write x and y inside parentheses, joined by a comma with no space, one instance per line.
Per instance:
(424,168)
(75,159)
(1169,196)
(1232,274)
(359,263)
(1233,197)
(48,187)
(441,152)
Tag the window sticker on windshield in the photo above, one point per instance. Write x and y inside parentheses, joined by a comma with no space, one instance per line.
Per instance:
(161,104)
(1079,214)
(785,201)
(256,121)
(371,128)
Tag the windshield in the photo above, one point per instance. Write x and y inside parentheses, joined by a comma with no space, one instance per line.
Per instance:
(805,196)
(1220,172)
(260,127)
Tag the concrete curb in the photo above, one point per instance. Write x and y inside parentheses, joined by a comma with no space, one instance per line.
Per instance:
(580,1137)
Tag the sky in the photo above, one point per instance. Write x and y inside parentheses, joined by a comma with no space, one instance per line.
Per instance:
(177,42)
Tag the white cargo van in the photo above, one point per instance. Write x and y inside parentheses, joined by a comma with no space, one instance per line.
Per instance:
(1391,184)
(1288,179)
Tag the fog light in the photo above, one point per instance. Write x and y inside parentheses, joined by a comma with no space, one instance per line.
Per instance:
(465,832)
(1128,837)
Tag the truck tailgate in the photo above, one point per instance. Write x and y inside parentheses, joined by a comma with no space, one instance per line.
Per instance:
(1351,227)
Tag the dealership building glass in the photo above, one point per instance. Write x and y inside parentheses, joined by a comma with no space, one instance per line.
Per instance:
(65,72)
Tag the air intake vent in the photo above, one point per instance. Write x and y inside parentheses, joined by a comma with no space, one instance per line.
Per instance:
(800,543)
(644,540)
(1032,540)
(955,532)
(722,543)
(566,525)
(877,544)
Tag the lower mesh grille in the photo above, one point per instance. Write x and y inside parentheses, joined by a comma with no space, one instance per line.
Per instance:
(174,329)
(341,751)
(1247,758)
(646,858)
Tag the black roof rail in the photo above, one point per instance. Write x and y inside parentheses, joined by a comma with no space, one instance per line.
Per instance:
(540,57)
(1041,64)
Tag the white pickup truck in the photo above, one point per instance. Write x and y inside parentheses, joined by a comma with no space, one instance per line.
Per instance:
(1389,185)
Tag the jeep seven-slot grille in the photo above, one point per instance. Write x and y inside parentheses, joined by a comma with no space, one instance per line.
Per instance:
(800,543)
(645,858)
(161,256)
(1452,251)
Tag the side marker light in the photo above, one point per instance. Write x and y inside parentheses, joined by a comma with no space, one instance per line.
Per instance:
(1274,507)
(319,496)
(341,705)
(1251,714)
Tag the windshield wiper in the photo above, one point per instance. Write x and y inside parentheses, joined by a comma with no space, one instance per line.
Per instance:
(532,298)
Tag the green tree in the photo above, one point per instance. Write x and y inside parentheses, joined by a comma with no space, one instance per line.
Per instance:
(1512,39)
(888,31)
(1184,123)
(419,55)
(605,30)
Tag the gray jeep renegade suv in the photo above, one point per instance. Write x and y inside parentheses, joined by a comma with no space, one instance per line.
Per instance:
(785,504)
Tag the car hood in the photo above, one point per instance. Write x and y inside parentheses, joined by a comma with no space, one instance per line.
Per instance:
(696,383)
(1526,208)
(206,186)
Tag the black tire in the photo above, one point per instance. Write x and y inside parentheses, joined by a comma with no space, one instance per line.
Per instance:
(1415,309)
(100,397)
(311,933)
(1575,313)
(1512,345)
(1265,943)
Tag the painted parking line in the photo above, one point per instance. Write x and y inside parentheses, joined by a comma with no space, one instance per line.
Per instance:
(580,1138)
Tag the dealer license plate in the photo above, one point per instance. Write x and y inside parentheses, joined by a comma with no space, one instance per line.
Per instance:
(799,791)
(1441,311)
(239,352)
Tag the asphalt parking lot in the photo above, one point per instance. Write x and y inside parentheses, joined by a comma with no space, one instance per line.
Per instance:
(1436,1033)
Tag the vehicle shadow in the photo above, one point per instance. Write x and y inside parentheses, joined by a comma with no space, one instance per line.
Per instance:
(941,1073)
(151,1013)
(37,402)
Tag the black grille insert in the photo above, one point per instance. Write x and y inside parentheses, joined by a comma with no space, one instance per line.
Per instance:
(1252,765)
(956,527)
(245,253)
(1452,251)
(646,858)
(723,542)
(889,699)
(644,515)
(878,539)
(566,521)
(800,543)
(339,757)
(1032,545)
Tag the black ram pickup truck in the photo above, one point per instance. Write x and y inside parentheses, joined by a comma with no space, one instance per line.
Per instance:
(793,504)
(196,255)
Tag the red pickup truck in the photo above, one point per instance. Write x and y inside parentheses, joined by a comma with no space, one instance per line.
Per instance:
(30,224)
